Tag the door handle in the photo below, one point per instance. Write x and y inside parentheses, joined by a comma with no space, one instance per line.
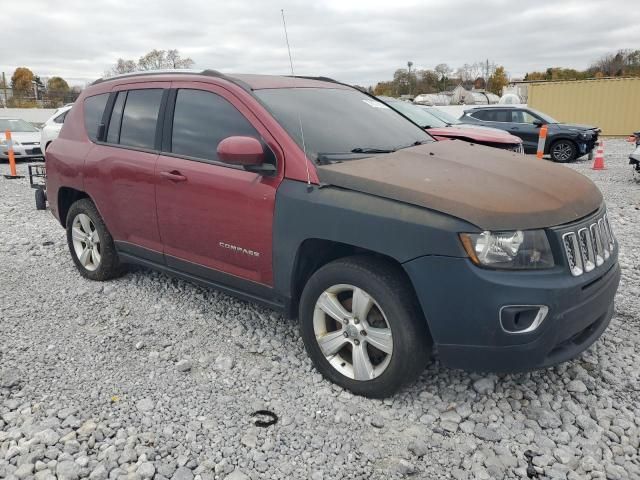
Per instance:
(174,176)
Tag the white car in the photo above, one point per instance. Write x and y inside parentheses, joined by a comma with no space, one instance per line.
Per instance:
(51,128)
(25,137)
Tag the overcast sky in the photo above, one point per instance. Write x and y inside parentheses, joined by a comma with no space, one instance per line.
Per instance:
(354,41)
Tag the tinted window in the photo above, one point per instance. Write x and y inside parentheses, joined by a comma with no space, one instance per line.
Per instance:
(140,118)
(202,120)
(93,110)
(416,114)
(113,134)
(60,118)
(497,115)
(520,116)
(481,115)
(338,121)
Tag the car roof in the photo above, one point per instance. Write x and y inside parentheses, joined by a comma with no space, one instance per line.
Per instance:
(245,80)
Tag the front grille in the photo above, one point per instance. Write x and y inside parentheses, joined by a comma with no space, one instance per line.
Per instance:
(589,245)
(518,149)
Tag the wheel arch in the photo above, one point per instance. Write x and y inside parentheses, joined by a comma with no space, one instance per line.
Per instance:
(67,196)
(314,253)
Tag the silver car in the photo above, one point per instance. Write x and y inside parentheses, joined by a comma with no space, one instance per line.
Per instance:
(26,139)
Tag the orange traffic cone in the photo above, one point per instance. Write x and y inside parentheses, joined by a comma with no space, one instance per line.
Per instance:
(598,162)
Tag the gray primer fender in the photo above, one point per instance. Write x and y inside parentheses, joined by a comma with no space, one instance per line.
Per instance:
(395,229)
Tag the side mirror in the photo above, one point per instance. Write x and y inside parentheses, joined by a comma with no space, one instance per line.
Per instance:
(246,152)
(538,123)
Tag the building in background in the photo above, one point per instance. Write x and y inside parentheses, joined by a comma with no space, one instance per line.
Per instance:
(613,104)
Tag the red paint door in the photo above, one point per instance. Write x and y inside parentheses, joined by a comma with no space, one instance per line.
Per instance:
(212,214)
(120,171)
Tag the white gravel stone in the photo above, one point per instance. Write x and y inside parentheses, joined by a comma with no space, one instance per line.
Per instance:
(77,398)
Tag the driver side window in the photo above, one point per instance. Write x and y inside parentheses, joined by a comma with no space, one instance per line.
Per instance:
(203,119)
(520,116)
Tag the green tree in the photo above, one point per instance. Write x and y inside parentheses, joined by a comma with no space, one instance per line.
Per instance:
(57,84)
(498,80)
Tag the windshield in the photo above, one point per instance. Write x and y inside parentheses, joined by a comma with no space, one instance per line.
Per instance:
(545,118)
(444,116)
(417,114)
(16,125)
(339,122)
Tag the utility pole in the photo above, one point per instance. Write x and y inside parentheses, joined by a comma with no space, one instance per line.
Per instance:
(410,64)
(4,86)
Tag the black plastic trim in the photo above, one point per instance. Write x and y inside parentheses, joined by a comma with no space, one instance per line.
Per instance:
(236,286)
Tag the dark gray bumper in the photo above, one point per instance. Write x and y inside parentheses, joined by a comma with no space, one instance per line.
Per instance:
(462,304)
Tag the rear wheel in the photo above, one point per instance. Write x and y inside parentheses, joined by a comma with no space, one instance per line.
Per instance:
(41,199)
(90,243)
(563,151)
(362,327)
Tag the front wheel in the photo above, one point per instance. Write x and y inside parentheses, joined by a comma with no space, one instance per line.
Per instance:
(563,151)
(90,243)
(362,327)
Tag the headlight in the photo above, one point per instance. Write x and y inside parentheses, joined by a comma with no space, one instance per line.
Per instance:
(585,135)
(3,143)
(520,249)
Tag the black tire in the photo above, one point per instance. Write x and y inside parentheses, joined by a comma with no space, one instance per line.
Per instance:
(563,151)
(41,199)
(390,289)
(109,265)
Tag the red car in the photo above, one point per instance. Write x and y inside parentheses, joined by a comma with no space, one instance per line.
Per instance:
(441,129)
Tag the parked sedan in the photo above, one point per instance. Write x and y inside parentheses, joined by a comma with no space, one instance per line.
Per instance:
(442,130)
(51,128)
(565,141)
(26,139)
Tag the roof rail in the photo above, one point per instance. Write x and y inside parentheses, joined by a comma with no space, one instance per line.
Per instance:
(142,73)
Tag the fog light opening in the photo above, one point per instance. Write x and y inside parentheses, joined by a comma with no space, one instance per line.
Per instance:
(519,319)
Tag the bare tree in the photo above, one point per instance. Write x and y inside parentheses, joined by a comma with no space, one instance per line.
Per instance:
(153,60)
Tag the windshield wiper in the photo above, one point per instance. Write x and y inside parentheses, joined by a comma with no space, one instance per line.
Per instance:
(414,144)
(372,150)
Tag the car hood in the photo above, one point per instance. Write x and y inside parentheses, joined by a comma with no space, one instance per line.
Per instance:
(574,126)
(490,188)
(25,136)
(473,133)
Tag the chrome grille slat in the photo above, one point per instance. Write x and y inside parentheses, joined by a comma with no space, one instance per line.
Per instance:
(588,245)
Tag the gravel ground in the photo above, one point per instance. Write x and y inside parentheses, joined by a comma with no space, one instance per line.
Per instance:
(147,376)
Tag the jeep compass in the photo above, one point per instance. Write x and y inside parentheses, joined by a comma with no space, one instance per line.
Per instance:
(320,201)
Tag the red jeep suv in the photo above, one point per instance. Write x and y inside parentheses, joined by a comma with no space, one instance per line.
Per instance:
(320,201)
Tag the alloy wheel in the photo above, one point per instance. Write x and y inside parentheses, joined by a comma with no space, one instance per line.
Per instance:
(86,242)
(353,332)
(562,151)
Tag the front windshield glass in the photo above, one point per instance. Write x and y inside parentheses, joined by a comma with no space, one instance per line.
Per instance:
(444,116)
(16,125)
(339,122)
(418,115)
(545,118)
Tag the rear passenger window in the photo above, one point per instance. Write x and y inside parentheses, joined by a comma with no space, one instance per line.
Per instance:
(201,120)
(93,110)
(139,118)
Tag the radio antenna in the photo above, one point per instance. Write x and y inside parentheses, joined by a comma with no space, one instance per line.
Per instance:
(304,147)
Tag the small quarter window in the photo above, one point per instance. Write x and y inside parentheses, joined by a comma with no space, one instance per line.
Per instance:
(93,111)
(60,118)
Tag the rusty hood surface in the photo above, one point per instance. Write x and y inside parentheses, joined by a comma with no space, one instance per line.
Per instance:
(488,187)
